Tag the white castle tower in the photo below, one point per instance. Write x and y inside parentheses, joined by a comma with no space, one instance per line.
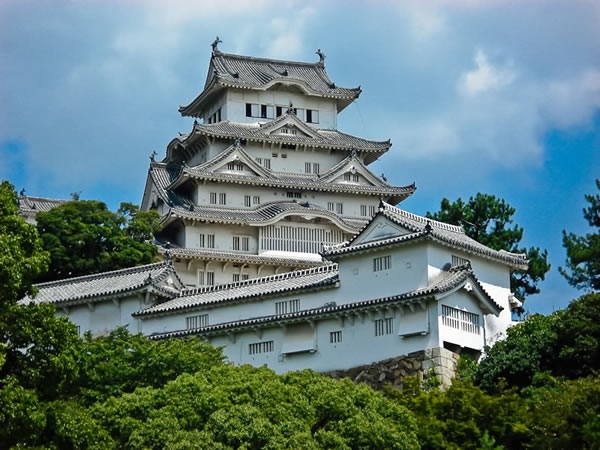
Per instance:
(264,179)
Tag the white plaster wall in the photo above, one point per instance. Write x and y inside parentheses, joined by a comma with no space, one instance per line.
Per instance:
(279,96)
(106,315)
(464,301)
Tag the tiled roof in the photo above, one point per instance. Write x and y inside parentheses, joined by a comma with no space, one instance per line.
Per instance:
(237,257)
(28,204)
(284,283)
(257,132)
(90,287)
(264,214)
(422,227)
(286,180)
(246,72)
(445,282)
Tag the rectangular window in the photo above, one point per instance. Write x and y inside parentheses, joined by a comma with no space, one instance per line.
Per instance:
(245,276)
(222,198)
(384,326)
(461,320)
(267,163)
(200,278)
(260,347)
(278,111)
(458,261)
(330,206)
(347,176)
(284,156)
(259,161)
(199,321)
(274,155)
(263,111)
(339,208)
(256,200)
(248,110)
(300,113)
(210,240)
(236,242)
(270,111)
(236,277)
(219,115)
(355,177)
(245,244)
(382,263)
(363,210)
(311,167)
(210,278)
(335,337)
(78,330)
(288,306)
(292,194)
(372,210)
(247,200)
(213,198)
(230,166)
(255,110)
(201,241)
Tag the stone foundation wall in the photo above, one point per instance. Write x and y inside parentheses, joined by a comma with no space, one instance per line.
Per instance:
(423,364)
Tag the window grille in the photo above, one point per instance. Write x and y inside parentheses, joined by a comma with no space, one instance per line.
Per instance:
(267,163)
(372,210)
(256,200)
(200,278)
(210,278)
(213,198)
(260,347)
(230,166)
(236,242)
(384,326)
(201,241)
(298,238)
(199,321)
(291,194)
(335,337)
(222,198)
(211,240)
(245,277)
(247,200)
(245,244)
(458,261)
(312,116)
(339,208)
(363,210)
(347,176)
(259,161)
(236,277)
(331,206)
(382,263)
(461,320)
(288,306)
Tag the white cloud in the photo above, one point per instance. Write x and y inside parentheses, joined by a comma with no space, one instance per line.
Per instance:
(485,77)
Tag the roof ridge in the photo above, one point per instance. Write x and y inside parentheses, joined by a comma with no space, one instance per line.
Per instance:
(264,59)
(280,276)
(422,219)
(94,276)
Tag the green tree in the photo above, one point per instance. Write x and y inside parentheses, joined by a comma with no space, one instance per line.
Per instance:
(84,237)
(22,258)
(489,220)
(583,252)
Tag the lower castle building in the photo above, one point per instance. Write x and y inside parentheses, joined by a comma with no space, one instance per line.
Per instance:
(402,284)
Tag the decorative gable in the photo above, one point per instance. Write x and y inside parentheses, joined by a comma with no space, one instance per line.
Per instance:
(380,228)
(289,125)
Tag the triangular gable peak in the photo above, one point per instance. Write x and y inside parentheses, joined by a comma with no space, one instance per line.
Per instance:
(352,170)
(378,229)
(234,160)
(289,124)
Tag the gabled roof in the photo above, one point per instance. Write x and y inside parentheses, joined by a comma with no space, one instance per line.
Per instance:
(419,227)
(257,132)
(95,287)
(446,283)
(285,283)
(28,204)
(264,214)
(260,176)
(247,72)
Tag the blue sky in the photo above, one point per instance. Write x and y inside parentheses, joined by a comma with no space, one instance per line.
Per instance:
(501,97)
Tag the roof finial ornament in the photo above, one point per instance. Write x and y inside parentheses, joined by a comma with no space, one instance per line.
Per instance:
(152,155)
(168,255)
(291,109)
(215,45)
(22,192)
(321,56)
(353,152)
(428,227)
(383,177)
(237,142)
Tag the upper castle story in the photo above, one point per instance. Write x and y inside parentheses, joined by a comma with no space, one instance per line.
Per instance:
(247,89)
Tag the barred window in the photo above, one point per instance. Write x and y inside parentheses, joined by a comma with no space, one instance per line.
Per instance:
(461,320)
(339,208)
(363,210)
(236,242)
(384,326)
(335,337)
(222,198)
(288,306)
(201,241)
(211,240)
(293,194)
(260,347)
(247,200)
(210,278)
(330,206)
(245,244)
(245,276)
(382,263)
(267,163)
(256,200)
(213,198)
(236,277)
(458,261)
(198,321)
(372,210)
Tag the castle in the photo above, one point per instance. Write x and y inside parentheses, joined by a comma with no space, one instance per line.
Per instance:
(283,247)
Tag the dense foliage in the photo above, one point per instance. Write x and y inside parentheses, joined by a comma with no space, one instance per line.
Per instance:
(489,220)
(583,252)
(84,237)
